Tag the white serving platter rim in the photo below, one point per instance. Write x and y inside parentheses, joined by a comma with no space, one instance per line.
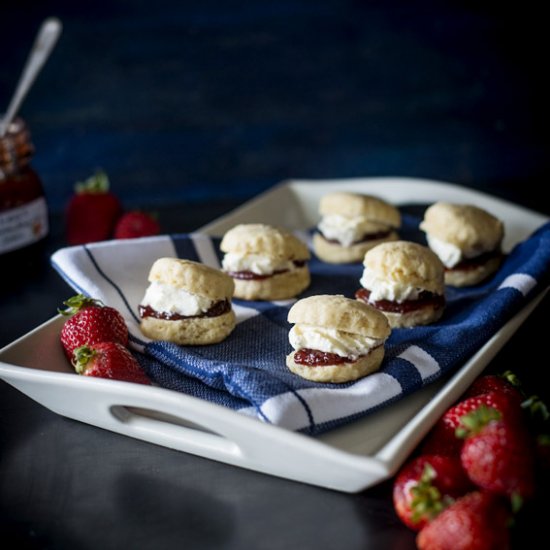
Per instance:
(347,459)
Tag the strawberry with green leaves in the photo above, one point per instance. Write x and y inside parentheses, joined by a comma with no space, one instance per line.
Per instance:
(498,454)
(477,521)
(109,360)
(425,486)
(92,211)
(442,438)
(91,322)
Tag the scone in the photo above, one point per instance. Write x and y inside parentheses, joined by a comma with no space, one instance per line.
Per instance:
(405,281)
(351,224)
(467,239)
(265,262)
(187,303)
(335,339)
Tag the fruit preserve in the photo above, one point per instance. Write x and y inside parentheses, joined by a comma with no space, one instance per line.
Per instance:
(23,208)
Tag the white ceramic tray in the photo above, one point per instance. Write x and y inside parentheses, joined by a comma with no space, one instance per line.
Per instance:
(348,459)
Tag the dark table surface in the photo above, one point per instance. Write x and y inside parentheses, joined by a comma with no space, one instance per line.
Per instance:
(192,108)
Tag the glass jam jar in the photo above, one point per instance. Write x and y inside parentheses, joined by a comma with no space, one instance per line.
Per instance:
(23,208)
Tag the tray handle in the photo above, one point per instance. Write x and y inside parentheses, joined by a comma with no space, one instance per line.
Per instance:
(177,432)
(192,425)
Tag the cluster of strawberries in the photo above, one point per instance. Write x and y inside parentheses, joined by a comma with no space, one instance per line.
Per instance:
(94,214)
(95,340)
(475,469)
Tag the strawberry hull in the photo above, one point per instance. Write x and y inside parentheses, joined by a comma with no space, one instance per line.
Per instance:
(424,486)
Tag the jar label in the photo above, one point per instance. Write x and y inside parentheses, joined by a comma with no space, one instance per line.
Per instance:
(23,225)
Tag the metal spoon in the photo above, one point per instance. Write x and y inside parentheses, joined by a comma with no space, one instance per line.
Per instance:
(43,45)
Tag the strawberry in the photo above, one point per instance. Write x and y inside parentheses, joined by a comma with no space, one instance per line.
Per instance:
(509,406)
(425,486)
(92,211)
(91,322)
(506,383)
(135,224)
(442,439)
(476,521)
(498,455)
(109,360)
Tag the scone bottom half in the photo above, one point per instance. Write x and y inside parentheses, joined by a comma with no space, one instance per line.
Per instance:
(405,282)
(474,272)
(265,262)
(187,303)
(335,339)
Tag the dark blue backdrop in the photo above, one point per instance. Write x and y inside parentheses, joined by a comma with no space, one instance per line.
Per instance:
(207,103)
(185,101)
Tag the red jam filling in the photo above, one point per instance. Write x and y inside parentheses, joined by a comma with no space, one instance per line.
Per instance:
(368,237)
(475,263)
(218,308)
(249,275)
(425,299)
(316,358)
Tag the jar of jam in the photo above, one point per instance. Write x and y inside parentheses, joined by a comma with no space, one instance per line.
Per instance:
(23,208)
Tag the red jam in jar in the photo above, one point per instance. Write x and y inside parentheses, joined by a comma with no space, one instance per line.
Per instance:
(23,208)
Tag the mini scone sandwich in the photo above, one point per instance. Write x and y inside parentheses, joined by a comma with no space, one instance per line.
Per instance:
(351,224)
(405,281)
(265,262)
(467,239)
(335,339)
(187,303)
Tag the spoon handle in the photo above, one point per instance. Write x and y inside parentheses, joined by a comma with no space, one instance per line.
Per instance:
(45,41)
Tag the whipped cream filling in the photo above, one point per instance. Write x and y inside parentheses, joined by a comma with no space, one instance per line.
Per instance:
(256,263)
(450,254)
(349,230)
(344,344)
(386,289)
(169,299)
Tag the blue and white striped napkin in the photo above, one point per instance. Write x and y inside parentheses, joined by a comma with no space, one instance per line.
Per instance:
(247,371)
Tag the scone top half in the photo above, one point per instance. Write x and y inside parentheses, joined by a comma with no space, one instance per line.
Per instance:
(405,281)
(262,249)
(183,288)
(335,339)
(405,268)
(266,262)
(336,312)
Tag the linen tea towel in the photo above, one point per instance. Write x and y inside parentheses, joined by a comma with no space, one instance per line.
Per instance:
(247,371)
